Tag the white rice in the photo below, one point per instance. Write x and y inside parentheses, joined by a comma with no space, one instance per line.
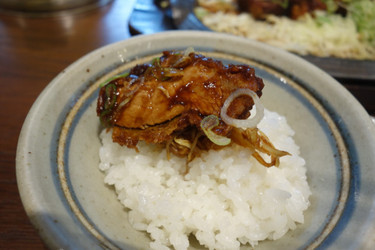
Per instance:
(227,198)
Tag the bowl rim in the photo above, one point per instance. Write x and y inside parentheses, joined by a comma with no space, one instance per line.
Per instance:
(23,159)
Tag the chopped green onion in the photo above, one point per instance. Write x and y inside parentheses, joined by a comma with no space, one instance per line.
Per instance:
(110,92)
(207,124)
(113,78)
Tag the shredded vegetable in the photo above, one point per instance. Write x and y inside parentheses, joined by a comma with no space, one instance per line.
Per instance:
(363,14)
(328,33)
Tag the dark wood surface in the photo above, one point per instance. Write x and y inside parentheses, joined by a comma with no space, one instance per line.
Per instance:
(33,50)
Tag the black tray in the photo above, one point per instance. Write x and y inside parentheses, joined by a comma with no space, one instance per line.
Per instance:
(151,16)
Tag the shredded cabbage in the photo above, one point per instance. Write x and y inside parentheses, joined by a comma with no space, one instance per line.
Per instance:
(363,14)
(322,33)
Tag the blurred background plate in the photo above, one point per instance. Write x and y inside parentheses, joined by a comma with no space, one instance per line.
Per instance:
(152,16)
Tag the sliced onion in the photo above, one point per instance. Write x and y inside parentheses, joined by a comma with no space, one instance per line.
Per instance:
(188,51)
(207,124)
(250,122)
(183,142)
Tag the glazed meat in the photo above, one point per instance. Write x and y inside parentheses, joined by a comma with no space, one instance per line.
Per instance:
(301,7)
(291,8)
(172,94)
(260,8)
(175,100)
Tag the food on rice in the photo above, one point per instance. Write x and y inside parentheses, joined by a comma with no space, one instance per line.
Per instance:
(325,28)
(191,105)
(226,200)
(188,103)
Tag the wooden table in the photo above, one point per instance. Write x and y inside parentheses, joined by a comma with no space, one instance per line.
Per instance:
(33,50)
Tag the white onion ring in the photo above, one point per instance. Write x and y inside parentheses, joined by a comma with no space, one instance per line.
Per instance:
(239,123)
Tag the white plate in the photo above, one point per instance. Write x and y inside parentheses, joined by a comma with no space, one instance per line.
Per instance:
(63,190)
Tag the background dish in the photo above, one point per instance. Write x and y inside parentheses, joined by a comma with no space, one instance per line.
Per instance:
(57,159)
(148,18)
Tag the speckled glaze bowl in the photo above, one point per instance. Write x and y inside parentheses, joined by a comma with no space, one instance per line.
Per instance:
(63,191)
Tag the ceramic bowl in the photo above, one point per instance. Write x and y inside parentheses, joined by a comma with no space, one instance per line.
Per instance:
(63,190)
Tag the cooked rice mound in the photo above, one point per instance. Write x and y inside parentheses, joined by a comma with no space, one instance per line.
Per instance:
(227,199)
